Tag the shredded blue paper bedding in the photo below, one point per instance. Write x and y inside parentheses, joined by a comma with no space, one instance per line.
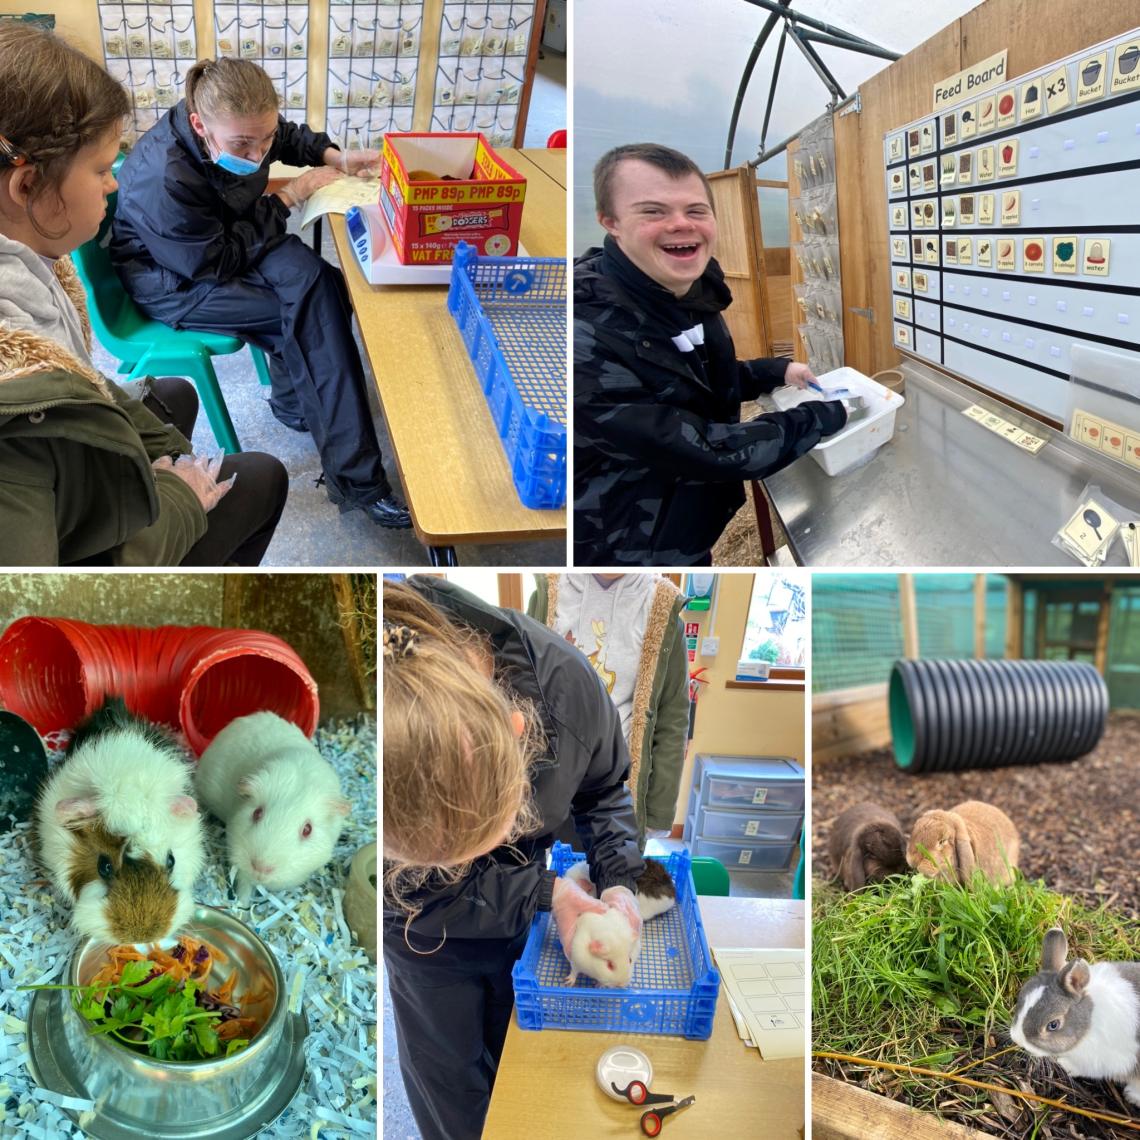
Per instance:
(325,971)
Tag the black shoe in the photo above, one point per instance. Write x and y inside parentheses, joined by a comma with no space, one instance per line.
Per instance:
(291,419)
(390,512)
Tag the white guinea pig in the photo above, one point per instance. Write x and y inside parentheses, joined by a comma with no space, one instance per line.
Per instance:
(603,948)
(279,798)
(118,831)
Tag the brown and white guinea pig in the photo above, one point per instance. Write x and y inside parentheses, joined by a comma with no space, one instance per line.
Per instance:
(949,845)
(866,845)
(118,831)
(1086,1017)
(278,797)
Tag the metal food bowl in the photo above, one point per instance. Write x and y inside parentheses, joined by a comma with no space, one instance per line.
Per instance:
(225,1098)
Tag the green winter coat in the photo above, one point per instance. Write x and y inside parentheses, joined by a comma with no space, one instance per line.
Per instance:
(76,481)
(659,726)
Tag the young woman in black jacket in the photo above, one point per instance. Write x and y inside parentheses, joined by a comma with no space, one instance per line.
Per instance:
(496,731)
(199,244)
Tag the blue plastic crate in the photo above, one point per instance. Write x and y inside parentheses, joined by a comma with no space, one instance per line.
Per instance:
(511,312)
(674,985)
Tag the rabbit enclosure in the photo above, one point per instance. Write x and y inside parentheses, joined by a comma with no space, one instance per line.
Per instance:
(923,976)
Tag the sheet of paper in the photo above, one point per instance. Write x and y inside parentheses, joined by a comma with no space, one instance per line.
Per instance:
(769,988)
(336,197)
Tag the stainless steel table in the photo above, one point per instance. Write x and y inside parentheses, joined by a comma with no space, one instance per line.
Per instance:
(946,491)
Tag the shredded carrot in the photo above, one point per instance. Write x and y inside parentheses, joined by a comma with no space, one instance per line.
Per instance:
(237,1027)
(223,992)
(185,969)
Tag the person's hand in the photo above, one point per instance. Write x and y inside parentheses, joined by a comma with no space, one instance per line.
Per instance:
(798,375)
(624,900)
(362,162)
(304,186)
(568,903)
(200,474)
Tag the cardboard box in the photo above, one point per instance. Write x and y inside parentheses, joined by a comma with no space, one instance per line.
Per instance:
(475,197)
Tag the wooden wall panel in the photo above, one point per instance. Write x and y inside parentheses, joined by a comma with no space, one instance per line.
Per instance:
(1034,34)
(740,252)
(849,721)
(780,304)
(777,260)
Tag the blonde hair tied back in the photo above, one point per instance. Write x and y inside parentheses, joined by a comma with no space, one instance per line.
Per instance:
(456,773)
(223,87)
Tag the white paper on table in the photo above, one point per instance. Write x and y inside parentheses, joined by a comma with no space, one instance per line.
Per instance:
(336,197)
(769,989)
(738,1020)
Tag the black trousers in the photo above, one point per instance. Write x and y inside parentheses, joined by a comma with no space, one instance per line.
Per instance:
(239,528)
(295,306)
(452,1012)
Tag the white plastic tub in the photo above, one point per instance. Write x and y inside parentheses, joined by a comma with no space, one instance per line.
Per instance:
(856,443)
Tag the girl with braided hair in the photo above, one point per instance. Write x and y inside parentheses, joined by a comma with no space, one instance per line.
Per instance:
(91,472)
(495,731)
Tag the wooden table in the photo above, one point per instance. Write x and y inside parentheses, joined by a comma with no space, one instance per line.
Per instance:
(452,465)
(546,1088)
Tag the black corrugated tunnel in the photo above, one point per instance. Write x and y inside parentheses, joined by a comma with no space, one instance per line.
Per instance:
(950,715)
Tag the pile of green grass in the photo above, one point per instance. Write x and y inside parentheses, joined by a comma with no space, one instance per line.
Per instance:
(917,972)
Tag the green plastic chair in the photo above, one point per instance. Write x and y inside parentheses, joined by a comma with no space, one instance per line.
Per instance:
(799,884)
(710,876)
(150,348)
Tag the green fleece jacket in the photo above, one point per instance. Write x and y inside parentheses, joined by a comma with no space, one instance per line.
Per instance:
(659,726)
(76,481)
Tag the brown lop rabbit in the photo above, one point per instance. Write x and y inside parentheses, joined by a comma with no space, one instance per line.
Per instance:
(866,845)
(948,845)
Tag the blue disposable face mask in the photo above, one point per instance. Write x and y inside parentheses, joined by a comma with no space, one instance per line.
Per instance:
(235,164)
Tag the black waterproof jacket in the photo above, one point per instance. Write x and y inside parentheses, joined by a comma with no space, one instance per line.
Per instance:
(183,224)
(581,774)
(660,456)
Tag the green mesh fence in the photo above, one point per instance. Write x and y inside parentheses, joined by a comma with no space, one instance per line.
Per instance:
(997,614)
(857,630)
(856,633)
(1124,649)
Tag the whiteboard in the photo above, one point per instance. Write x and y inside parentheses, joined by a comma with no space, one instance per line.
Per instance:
(1017,212)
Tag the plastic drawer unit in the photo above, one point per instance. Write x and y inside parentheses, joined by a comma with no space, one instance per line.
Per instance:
(746,811)
(766,826)
(747,856)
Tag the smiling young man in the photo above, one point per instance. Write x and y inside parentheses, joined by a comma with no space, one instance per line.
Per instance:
(660,454)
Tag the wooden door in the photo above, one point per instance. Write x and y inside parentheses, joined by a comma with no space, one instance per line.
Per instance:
(740,251)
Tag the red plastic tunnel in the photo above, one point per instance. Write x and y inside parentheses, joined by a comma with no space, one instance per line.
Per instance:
(54,672)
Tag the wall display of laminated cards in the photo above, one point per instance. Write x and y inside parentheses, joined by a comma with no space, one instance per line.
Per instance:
(1104,436)
(1048,162)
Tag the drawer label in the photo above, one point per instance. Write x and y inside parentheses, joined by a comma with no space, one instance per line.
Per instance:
(760,796)
(745,856)
(752,827)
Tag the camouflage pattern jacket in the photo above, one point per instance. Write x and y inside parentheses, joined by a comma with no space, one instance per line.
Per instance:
(660,454)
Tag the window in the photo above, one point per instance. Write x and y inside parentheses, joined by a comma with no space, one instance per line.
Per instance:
(777,631)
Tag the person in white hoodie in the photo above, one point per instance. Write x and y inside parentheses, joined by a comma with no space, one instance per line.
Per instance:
(90,474)
(630,630)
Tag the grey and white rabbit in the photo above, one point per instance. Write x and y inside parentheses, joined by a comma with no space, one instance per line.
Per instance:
(866,845)
(1085,1016)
